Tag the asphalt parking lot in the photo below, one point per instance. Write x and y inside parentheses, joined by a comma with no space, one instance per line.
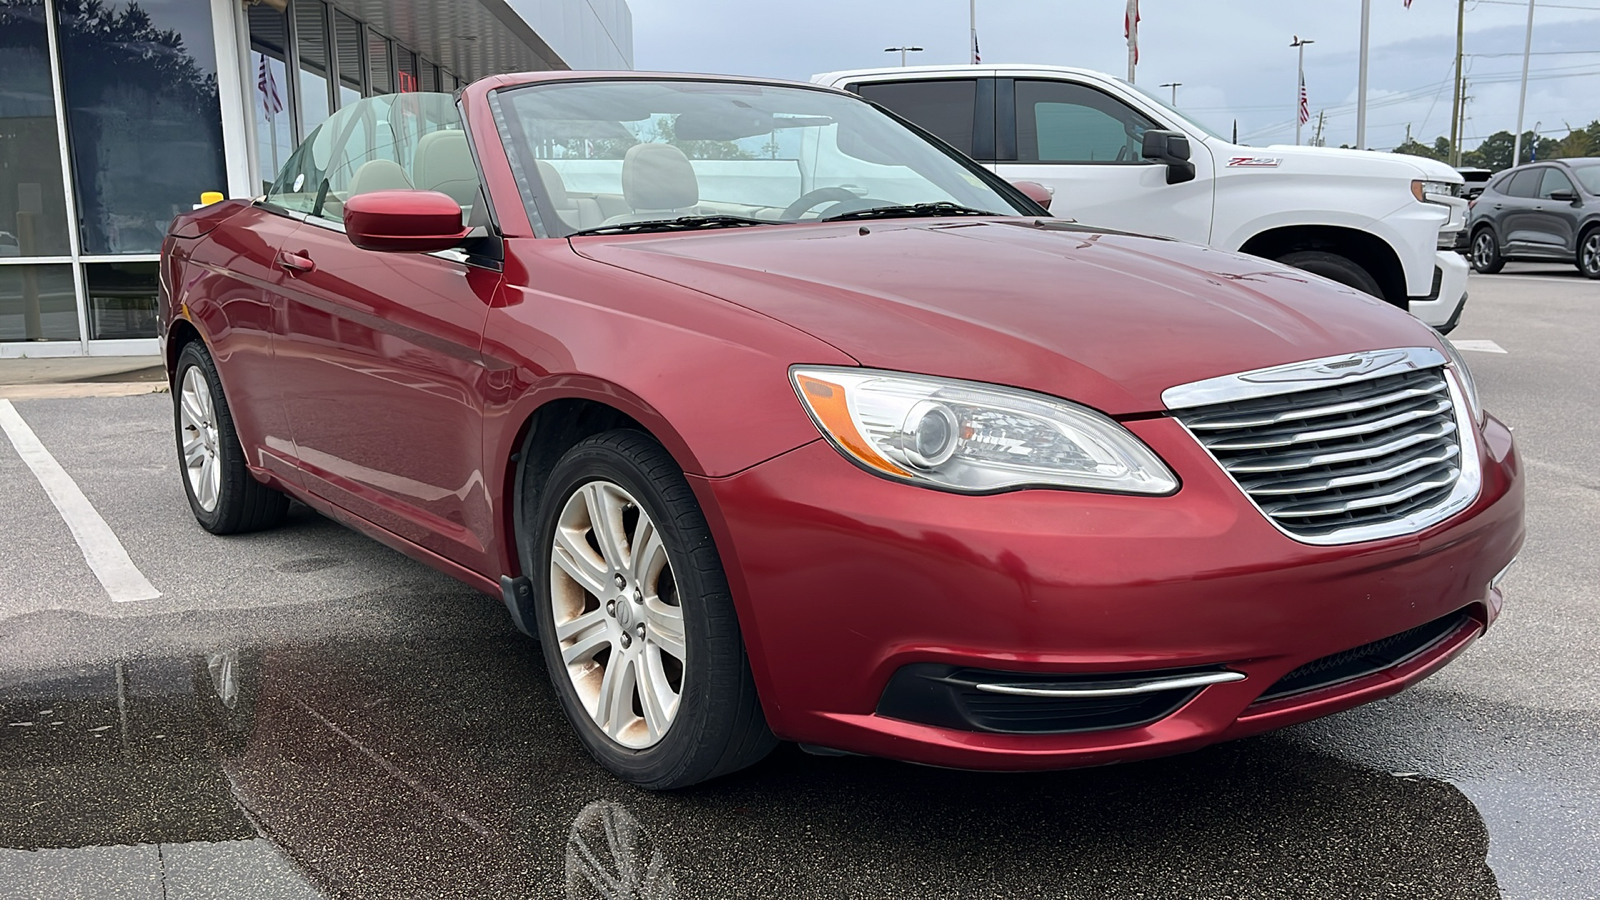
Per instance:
(305,713)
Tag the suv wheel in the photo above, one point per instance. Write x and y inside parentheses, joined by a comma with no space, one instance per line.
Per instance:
(1589,253)
(1486,256)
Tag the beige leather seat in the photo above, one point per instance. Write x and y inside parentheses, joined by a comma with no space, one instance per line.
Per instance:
(658,182)
(378,175)
(443,163)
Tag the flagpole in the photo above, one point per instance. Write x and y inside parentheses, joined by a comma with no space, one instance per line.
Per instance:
(972,17)
(1300,88)
(1131,21)
(1522,99)
(1361,86)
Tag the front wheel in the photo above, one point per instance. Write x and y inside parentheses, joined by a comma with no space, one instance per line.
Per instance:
(637,621)
(1486,256)
(1333,267)
(224,496)
(1589,254)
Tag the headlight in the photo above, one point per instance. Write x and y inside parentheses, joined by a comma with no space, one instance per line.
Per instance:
(1421,190)
(1463,376)
(974,438)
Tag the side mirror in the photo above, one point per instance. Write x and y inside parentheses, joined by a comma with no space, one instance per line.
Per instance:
(403,221)
(1171,148)
(1036,192)
(1563,196)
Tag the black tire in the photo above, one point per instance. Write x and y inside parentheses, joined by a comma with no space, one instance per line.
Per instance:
(1588,259)
(242,503)
(1484,252)
(718,726)
(1333,267)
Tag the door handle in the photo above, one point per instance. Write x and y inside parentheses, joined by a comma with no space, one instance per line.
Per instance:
(296,263)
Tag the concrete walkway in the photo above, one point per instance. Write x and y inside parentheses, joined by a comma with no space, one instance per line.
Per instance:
(83,376)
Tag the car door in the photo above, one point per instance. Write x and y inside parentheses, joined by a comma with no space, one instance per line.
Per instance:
(378,353)
(1513,210)
(1554,223)
(1087,144)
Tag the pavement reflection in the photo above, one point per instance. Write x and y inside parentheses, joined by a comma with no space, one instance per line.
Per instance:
(441,766)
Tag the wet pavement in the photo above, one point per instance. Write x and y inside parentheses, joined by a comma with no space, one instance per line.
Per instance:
(304,714)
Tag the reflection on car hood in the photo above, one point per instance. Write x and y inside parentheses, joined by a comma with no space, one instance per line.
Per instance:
(1105,319)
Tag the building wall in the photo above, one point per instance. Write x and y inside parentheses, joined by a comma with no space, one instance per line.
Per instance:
(587,34)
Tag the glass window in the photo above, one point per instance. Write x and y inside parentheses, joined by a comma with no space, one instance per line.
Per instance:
(144,124)
(405,69)
(391,142)
(1526,183)
(429,76)
(378,64)
(944,107)
(1062,122)
(608,153)
(122,299)
(33,207)
(347,43)
(270,100)
(1590,177)
(1554,181)
(37,303)
(311,48)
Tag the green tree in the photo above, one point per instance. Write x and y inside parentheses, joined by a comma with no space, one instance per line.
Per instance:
(1414,147)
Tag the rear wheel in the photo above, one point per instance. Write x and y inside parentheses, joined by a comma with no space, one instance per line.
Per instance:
(637,621)
(1333,267)
(1589,253)
(1486,256)
(225,497)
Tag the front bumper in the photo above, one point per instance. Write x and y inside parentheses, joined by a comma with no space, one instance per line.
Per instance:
(1443,307)
(841,579)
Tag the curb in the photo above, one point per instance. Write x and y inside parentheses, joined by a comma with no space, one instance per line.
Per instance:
(70,391)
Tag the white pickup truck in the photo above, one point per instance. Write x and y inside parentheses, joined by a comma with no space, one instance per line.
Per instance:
(1118,157)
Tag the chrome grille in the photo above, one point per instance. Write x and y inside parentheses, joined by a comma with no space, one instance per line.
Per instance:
(1348,462)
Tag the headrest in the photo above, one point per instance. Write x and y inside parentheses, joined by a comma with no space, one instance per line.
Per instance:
(658,176)
(379,175)
(443,163)
(553,185)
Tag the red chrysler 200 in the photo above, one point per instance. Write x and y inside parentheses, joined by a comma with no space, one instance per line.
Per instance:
(773,417)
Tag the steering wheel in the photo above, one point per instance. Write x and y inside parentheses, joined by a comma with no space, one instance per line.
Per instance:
(812,198)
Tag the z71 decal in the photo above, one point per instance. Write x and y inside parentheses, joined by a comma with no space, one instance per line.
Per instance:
(1254,162)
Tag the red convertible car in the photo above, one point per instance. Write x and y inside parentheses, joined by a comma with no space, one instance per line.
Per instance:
(773,417)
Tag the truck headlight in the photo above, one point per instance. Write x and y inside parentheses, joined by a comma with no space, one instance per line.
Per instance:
(1422,190)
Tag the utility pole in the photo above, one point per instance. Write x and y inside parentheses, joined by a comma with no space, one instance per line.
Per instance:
(1174,85)
(1522,98)
(1361,86)
(1455,113)
(903,51)
(1316,140)
(1301,112)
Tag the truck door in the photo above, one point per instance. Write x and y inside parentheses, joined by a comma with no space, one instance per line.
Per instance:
(960,111)
(1086,144)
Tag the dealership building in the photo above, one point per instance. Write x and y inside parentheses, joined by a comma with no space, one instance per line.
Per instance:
(115,115)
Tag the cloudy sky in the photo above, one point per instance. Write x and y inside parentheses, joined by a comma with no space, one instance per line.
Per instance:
(1232,57)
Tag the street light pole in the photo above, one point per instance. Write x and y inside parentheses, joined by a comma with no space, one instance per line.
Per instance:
(1174,85)
(902,51)
(1300,85)
(1522,98)
(1361,80)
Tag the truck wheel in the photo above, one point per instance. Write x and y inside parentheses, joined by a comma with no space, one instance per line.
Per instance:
(1486,256)
(1333,267)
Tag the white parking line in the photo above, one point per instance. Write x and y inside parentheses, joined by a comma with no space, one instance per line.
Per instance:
(1479,346)
(101,550)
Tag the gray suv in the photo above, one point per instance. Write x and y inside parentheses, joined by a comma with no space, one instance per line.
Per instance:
(1540,211)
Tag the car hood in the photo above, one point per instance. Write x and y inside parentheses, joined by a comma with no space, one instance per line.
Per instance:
(1339,160)
(1105,319)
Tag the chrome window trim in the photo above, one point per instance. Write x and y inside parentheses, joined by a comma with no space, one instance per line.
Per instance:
(1237,387)
(1301,376)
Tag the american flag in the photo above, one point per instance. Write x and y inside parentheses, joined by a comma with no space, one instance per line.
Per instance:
(1130,27)
(267,84)
(976,56)
(1408,4)
(1305,108)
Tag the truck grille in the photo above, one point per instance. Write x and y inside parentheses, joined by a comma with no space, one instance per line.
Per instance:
(1336,463)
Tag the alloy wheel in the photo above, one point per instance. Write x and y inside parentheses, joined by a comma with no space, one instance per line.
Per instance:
(1589,254)
(618,620)
(197,418)
(1483,250)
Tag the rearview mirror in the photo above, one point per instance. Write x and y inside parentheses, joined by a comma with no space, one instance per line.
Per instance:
(1563,196)
(1172,148)
(403,221)
(1036,192)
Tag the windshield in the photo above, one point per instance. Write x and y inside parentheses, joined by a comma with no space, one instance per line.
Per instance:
(1175,112)
(1589,177)
(616,155)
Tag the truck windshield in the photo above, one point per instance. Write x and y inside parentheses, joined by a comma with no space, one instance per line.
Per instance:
(1184,117)
(626,155)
